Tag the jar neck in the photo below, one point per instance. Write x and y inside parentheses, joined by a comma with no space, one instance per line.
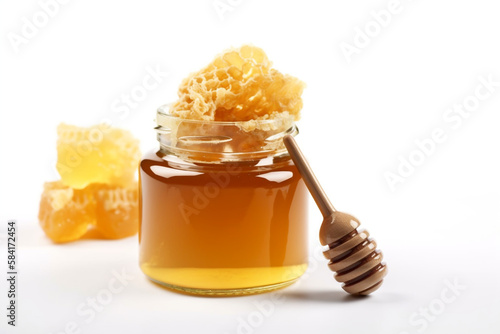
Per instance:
(215,142)
(248,165)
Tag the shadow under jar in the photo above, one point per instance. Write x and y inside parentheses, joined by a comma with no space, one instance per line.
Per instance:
(223,209)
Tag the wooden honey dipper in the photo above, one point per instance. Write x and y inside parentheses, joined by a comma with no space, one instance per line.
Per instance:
(353,256)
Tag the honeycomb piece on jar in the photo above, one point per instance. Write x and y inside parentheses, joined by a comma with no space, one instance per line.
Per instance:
(98,154)
(65,214)
(117,212)
(239,85)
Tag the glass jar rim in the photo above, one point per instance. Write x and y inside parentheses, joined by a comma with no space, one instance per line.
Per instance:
(218,141)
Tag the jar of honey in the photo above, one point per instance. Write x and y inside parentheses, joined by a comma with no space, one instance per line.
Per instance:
(223,209)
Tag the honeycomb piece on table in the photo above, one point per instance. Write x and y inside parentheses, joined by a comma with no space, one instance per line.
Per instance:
(239,85)
(98,154)
(65,214)
(117,213)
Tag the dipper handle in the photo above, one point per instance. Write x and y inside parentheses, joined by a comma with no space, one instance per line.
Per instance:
(310,179)
(353,255)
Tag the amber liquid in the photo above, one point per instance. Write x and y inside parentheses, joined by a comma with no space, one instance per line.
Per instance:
(222,228)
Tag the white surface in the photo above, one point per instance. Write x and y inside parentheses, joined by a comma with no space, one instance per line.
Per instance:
(441,224)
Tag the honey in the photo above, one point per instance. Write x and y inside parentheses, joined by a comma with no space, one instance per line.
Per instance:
(216,219)
(223,209)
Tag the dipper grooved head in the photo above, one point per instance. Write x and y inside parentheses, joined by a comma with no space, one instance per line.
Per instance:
(353,255)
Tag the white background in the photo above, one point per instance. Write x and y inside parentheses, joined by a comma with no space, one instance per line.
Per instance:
(441,224)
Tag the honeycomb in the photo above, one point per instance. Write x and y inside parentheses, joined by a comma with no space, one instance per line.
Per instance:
(65,213)
(96,155)
(238,85)
(97,190)
(117,212)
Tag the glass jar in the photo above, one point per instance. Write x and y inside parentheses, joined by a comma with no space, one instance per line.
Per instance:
(223,209)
